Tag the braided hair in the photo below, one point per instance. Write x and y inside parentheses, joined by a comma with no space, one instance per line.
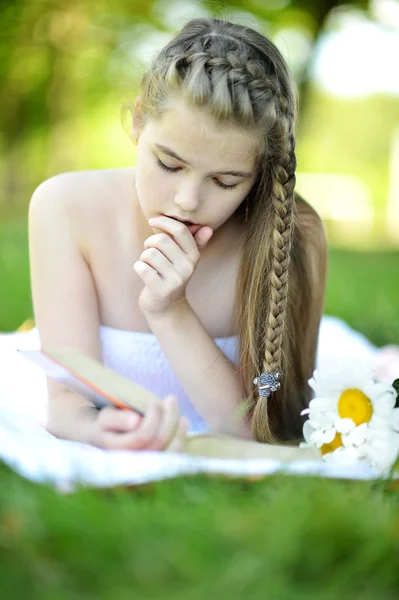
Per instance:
(240,78)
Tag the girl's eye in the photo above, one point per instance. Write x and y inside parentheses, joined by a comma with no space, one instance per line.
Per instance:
(166,168)
(225,186)
(174,169)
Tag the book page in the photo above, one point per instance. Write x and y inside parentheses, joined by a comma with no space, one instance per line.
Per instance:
(90,379)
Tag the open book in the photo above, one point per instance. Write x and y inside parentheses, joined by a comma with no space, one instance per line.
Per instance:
(100,385)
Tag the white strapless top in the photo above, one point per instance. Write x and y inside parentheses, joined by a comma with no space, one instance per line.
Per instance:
(139,357)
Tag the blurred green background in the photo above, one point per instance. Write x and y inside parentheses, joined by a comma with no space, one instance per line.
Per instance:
(66,67)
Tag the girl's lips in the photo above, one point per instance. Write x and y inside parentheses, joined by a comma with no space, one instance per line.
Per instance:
(192,228)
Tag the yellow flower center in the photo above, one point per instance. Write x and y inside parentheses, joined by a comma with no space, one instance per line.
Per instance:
(336,443)
(355,405)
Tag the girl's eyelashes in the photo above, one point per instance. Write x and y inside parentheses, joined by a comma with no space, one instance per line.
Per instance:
(224,186)
(166,168)
(174,169)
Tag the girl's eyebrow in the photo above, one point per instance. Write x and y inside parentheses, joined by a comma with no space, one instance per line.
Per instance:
(170,152)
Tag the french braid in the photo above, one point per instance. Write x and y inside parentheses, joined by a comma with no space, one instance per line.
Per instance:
(282,198)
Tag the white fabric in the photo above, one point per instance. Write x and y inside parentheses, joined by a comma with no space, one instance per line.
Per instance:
(29,449)
(138,356)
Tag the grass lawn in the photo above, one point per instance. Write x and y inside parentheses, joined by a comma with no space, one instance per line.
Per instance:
(207,537)
(200,537)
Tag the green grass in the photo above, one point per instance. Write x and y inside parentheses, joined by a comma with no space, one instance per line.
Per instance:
(207,537)
(201,537)
(16,305)
(363,289)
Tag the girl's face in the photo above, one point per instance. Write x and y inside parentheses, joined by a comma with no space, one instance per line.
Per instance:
(191,168)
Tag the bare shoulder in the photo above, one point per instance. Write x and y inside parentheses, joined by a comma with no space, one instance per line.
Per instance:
(86,197)
(94,182)
(64,210)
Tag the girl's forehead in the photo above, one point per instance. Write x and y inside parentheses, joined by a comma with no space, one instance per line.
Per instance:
(191,132)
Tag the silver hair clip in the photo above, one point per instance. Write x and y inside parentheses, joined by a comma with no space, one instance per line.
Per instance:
(267,383)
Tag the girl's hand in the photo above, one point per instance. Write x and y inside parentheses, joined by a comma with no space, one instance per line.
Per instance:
(168,262)
(161,428)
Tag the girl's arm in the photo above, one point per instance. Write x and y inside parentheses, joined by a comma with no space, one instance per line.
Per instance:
(63,294)
(66,314)
(208,377)
(166,266)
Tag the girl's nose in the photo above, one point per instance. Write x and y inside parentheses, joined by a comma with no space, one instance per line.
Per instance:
(188,196)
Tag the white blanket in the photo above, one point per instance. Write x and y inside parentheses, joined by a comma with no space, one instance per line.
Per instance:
(30,450)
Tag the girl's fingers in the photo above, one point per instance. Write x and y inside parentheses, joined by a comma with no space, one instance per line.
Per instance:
(166,245)
(144,439)
(141,437)
(179,441)
(203,236)
(169,425)
(145,435)
(112,419)
(112,440)
(149,276)
(155,259)
(180,233)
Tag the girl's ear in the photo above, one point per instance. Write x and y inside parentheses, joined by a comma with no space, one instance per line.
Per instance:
(137,120)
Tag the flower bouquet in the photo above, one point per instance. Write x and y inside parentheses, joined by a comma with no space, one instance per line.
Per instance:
(353,417)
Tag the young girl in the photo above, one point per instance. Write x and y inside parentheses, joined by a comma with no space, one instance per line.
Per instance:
(199,273)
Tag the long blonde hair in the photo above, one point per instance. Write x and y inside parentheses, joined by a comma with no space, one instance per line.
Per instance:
(240,77)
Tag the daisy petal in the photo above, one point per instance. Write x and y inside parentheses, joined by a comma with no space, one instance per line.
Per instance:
(321,403)
(334,456)
(329,435)
(344,425)
(356,437)
(321,421)
(308,430)
(384,404)
(377,422)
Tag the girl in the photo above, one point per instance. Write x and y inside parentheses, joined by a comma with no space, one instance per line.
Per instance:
(199,273)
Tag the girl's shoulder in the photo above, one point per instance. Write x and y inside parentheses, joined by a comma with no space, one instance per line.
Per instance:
(86,190)
(88,200)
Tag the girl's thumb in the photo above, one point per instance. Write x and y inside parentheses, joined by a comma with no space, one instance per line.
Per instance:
(203,236)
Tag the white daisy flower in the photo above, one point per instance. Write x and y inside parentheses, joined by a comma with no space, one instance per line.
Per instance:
(345,455)
(353,417)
